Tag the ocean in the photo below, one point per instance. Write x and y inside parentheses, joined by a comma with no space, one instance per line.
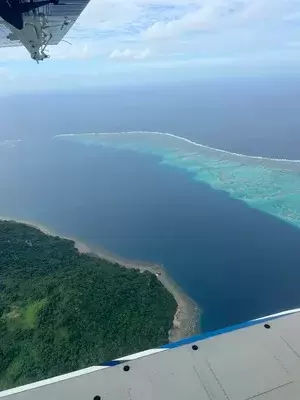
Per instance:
(235,261)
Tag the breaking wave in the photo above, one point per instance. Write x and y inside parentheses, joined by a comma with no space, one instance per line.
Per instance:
(10,142)
(271,185)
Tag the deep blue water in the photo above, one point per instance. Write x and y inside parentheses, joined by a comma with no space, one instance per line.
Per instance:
(236,262)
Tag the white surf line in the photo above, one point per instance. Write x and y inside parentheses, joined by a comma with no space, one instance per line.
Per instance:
(8,142)
(183,139)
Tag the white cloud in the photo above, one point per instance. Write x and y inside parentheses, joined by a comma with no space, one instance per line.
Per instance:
(79,50)
(200,20)
(13,54)
(129,54)
(109,14)
(118,24)
(115,37)
(218,15)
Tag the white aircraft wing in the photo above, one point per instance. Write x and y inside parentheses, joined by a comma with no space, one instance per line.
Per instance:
(61,17)
(257,360)
(48,25)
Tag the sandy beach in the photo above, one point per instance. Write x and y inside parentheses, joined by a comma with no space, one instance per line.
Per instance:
(187,317)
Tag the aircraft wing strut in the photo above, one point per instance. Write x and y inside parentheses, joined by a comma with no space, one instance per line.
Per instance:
(46,25)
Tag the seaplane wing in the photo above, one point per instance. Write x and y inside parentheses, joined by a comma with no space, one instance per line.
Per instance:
(256,360)
(39,27)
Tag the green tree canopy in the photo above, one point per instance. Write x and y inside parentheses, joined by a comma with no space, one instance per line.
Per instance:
(61,310)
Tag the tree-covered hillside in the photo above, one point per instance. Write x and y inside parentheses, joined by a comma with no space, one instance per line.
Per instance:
(61,310)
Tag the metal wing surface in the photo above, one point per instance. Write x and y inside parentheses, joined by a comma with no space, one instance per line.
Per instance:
(44,26)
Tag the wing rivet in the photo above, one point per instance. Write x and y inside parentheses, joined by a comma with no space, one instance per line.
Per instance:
(195,347)
(126,368)
(97,398)
(267,326)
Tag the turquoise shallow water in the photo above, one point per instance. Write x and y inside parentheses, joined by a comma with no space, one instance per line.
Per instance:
(163,199)
(239,259)
(266,184)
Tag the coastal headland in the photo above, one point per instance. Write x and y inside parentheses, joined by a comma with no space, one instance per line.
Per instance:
(187,317)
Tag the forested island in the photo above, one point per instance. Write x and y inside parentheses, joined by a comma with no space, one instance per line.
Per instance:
(61,310)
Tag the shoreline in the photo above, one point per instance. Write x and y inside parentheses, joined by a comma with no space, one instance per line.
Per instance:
(187,316)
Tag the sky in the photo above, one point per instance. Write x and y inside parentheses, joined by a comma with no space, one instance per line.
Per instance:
(139,42)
